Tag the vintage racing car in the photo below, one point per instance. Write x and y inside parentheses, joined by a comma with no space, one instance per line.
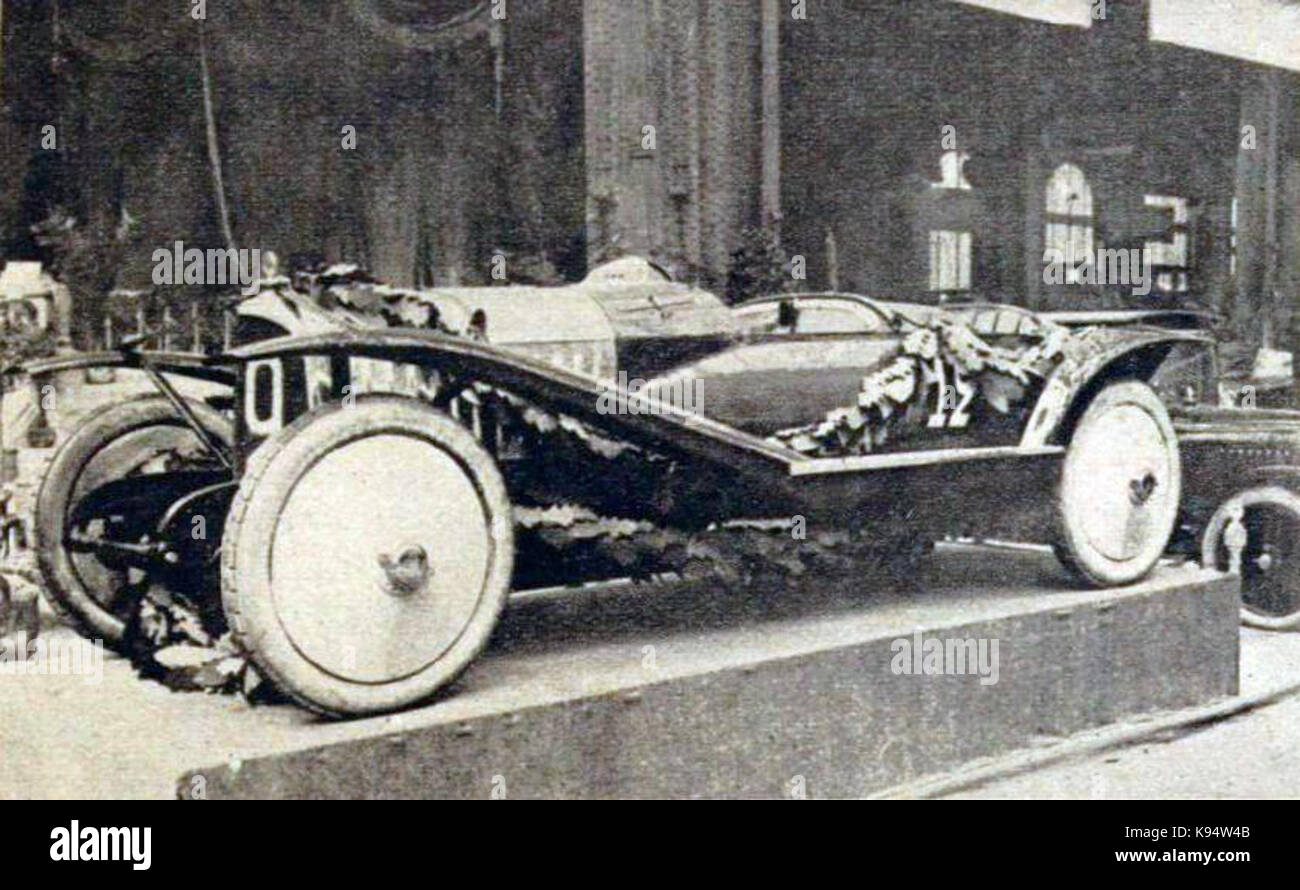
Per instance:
(388,464)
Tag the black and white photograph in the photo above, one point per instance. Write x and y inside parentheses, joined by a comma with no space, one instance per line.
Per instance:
(651,399)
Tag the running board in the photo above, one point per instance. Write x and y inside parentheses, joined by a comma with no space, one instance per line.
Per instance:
(820,466)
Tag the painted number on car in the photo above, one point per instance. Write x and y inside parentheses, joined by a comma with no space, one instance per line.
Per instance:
(951,399)
(264,397)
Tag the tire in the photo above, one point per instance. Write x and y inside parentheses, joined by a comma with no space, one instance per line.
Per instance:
(1118,495)
(110,443)
(1270,563)
(367,555)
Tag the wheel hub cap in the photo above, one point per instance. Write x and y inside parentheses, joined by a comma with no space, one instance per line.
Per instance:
(407,573)
(1141,490)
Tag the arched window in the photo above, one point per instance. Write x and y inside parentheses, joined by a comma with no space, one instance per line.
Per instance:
(1069,231)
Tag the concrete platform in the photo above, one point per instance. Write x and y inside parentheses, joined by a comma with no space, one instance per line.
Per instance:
(675,692)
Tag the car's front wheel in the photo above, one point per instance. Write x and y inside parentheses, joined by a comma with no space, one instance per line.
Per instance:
(1117,498)
(367,555)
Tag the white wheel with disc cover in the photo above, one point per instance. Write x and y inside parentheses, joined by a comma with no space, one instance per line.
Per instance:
(1117,500)
(367,555)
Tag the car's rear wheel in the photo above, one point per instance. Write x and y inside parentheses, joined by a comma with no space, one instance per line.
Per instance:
(1117,499)
(367,555)
(1269,517)
(137,437)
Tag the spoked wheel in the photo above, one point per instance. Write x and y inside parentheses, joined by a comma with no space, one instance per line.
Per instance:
(1120,483)
(367,555)
(138,437)
(1264,524)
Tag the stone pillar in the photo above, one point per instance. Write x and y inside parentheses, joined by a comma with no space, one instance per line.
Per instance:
(697,71)
(1256,190)
(601,84)
(771,136)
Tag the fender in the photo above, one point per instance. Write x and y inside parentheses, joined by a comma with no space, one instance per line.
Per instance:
(1091,357)
(181,364)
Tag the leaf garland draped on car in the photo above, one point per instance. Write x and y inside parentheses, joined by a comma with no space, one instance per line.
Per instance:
(897,394)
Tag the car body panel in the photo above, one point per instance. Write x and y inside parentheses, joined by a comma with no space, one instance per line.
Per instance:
(761,378)
(183,364)
(1227,450)
(1087,355)
(772,383)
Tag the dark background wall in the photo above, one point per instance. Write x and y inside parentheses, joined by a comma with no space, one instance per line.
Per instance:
(462,151)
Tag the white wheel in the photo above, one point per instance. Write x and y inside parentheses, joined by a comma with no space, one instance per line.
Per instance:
(1120,484)
(367,555)
(1270,554)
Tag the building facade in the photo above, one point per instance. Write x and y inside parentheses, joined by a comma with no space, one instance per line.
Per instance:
(940,150)
(928,149)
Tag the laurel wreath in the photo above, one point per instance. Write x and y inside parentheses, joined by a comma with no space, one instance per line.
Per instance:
(895,393)
(449,32)
(457,29)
